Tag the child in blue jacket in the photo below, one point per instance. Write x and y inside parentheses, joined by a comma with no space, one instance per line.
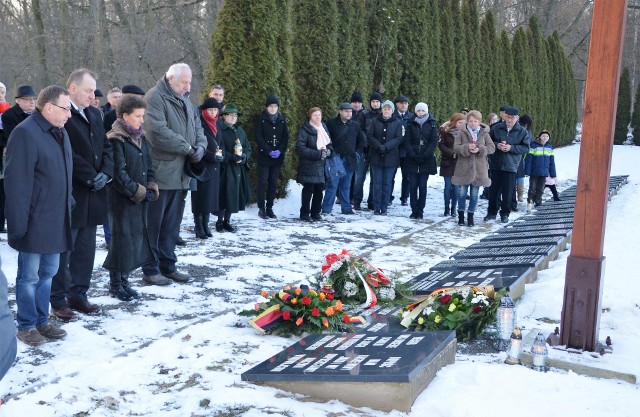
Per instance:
(539,164)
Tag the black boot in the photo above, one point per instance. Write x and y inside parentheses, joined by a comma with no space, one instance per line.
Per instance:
(470,222)
(228,227)
(115,287)
(447,210)
(197,220)
(219,227)
(453,210)
(124,279)
(205,224)
(271,214)
(460,218)
(262,214)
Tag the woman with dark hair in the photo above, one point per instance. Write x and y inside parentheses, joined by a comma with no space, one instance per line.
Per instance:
(313,146)
(132,187)
(205,200)
(235,188)
(448,160)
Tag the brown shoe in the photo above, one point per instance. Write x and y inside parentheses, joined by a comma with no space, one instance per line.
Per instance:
(156,280)
(64,314)
(84,306)
(31,337)
(51,331)
(177,276)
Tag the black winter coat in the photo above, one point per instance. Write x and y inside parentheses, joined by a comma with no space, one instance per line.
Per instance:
(130,247)
(37,176)
(91,154)
(10,119)
(347,139)
(519,140)
(271,136)
(385,138)
(206,200)
(419,143)
(310,162)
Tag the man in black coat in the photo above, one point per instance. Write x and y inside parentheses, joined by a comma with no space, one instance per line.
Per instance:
(348,141)
(512,142)
(364,118)
(38,175)
(272,137)
(403,114)
(92,169)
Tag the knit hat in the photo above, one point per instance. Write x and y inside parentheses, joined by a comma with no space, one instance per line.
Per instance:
(388,103)
(272,100)
(132,89)
(356,97)
(543,132)
(422,106)
(375,96)
(210,103)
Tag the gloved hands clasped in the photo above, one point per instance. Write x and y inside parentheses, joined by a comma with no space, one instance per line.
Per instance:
(196,155)
(274,154)
(99,181)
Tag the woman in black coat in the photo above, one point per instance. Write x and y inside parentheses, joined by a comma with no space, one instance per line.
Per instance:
(132,187)
(205,200)
(272,138)
(420,142)
(313,146)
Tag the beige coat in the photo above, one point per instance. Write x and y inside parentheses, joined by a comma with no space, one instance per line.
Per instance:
(472,168)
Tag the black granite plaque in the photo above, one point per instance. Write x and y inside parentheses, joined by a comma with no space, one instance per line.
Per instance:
(527,241)
(545,250)
(490,262)
(360,357)
(541,221)
(564,216)
(428,282)
(379,319)
(523,233)
(536,229)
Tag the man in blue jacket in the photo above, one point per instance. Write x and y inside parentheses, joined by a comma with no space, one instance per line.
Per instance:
(512,142)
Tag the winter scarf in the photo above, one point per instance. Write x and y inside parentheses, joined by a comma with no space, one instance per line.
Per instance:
(135,134)
(323,137)
(212,122)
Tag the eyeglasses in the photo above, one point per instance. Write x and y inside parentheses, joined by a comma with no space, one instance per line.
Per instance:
(63,108)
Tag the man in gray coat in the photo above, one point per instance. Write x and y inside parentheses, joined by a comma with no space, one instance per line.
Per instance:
(38,174)
(174,133)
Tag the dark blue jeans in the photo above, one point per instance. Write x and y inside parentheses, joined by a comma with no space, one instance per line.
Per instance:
(418,191)
(450,193)
(360,176)
(462,197)
(33,288)
(335,185)
(382,186)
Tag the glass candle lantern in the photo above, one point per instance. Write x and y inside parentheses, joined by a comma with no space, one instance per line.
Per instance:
(506,321)
(515,347)
(539,354)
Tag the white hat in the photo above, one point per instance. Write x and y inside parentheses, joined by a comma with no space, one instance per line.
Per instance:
(422,106)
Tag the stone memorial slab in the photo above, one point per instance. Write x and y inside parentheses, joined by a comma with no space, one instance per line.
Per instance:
(509,234)
(541,221)
(536,228)
(489,262)
(549,253)
(513,279)
(529,241)
(562,216)
(379,319)
(384,371)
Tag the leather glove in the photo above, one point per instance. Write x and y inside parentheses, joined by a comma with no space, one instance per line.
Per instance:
(382,149)
(197,155)
(218,158)
(275,154)
(99,181)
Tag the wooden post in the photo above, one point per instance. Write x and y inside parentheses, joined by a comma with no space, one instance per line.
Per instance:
(585,265)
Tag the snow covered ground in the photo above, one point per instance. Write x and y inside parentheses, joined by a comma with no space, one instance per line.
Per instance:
(180,350)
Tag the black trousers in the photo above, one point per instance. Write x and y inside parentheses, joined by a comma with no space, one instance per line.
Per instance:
(73,278)
(503,184)
(2,202)
(536,189)
(311,199)
(267,178)
(163,226)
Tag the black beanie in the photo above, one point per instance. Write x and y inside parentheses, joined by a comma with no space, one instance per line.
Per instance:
(356,97)
(375,96)
(272,100)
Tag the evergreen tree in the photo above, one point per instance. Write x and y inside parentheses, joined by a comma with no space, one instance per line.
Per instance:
(522,89)
(623,114)
(506,82)
(315,55)
(353,56)
(489,76)
(450,102)
(472,48)
(383,22)
(541,75)
(635,119)
(458,51)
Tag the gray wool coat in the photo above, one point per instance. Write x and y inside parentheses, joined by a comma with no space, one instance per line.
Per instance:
(172,126)
(472,168)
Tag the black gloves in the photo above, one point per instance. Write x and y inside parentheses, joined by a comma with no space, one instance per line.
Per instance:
(197,154)
(100,181)
(237,158)
(329,152)
(382,149)
(151,196)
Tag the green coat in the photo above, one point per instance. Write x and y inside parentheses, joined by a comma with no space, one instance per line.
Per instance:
(235,187)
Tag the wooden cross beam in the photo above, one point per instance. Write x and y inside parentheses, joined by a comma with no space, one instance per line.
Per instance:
(585,265)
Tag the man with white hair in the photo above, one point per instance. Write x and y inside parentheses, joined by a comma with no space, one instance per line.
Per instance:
(174,133)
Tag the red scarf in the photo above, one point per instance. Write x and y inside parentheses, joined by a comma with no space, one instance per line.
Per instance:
(212,122)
